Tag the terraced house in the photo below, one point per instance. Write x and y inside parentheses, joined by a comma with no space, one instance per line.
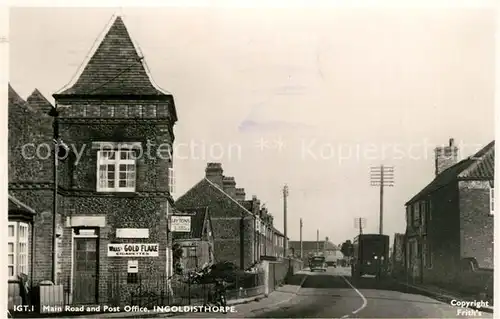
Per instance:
(240,226)
(450,222)
(114,188)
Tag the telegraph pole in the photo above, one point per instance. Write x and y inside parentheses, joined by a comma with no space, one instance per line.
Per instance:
(359,223)
(382,176)
(317,240)
(301,248)
(285,242)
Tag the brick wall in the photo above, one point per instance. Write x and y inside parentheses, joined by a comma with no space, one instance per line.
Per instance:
(32,130)
(152,169)
(476,223)
(120,213)
(443,235)
(118,109)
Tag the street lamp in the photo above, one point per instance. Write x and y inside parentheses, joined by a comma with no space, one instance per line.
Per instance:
(61,151)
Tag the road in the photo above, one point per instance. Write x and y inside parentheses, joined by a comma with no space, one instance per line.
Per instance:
(333,294)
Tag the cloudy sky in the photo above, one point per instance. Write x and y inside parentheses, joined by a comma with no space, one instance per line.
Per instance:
(307,97)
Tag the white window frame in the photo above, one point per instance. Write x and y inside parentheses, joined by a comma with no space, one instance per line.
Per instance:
(102,159)
(23,242)
(16,240)
(171,180)
(492,201)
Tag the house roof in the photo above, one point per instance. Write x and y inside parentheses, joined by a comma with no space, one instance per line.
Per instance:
(39,102)
(211,185)
(16,102)
(311,245)
(479,166)
(198,217)
(16,205)
(483,166)
(115,68)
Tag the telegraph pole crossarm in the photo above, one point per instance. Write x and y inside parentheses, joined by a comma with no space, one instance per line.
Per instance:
(382,176)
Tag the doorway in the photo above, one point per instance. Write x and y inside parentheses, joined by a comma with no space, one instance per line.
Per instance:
(85,270)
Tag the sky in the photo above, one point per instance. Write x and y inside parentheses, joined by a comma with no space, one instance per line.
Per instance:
(311,98)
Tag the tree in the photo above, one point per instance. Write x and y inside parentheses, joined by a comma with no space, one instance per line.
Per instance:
(347,248)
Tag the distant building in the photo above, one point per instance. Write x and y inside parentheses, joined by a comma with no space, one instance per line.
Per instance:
(325,247)
(450,221)
(198,244)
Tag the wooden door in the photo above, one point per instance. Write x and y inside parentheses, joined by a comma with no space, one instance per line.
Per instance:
(85,271)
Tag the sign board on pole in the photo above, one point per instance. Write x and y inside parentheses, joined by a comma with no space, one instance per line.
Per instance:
(180,223)
(133,250)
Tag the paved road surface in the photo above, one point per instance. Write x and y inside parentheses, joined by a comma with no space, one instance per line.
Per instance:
(335,295)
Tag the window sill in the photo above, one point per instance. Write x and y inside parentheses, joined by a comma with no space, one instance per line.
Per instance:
(119,193)
(116,190)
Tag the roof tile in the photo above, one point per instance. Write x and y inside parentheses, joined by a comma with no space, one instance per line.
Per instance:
(479,166)
(115,68)
(39,102)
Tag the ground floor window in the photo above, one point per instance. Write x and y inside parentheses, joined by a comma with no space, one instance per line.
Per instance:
(17,248)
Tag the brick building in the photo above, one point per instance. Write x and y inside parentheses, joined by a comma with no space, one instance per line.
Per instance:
(242,229)
(233,224)
(31,184)
(198,244)
(113,188)
(450,221)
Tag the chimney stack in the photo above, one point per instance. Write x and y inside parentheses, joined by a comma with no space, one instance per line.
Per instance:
(255,205)
(445,156)
(240,194)
(213,172)
(229,186)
